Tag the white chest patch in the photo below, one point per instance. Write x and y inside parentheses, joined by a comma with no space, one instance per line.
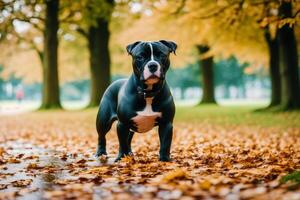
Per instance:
(145,120)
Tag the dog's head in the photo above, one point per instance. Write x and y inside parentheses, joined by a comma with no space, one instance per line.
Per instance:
(150,60)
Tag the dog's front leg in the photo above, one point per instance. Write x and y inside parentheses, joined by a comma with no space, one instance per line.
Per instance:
(123,133)
(165,137)
(130,136)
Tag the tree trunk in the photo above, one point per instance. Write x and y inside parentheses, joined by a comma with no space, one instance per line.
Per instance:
(206,65)
(98,39)
(273,47)
(50,66)
(290,89)
(41,56)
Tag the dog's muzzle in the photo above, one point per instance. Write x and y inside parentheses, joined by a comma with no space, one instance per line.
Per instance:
(152,72)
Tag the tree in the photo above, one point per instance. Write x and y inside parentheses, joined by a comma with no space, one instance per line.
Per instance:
(206,64)
(282,47)
(94,27)
(22,14)
(273,47)
(98,42)
(201,22)
(50,66)
(32,13)
(288,54)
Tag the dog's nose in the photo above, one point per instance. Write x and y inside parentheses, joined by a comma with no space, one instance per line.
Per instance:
(152,67)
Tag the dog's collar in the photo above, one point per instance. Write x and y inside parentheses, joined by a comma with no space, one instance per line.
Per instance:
(142,92)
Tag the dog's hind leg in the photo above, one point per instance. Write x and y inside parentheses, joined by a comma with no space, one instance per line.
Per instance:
(106,116)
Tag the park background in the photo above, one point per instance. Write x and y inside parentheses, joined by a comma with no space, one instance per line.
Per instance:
(230,50)
(235,80)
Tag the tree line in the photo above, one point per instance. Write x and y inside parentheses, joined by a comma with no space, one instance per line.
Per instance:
(47,17)
(91,19)
(281,43)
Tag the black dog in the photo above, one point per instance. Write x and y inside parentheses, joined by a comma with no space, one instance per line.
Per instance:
(140,102)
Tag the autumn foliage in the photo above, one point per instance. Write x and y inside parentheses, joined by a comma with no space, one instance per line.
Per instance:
(51,156)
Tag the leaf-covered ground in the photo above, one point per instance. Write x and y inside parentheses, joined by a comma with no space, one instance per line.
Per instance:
(218,153)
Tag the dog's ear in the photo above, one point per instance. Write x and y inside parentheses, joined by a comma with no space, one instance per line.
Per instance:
(130,47)
(170,44)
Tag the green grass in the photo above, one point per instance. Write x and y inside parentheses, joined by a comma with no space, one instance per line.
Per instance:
(293,177)
(226,115)
(237,115)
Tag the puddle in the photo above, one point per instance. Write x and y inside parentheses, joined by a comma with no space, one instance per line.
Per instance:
(39,180)
(19,172)
(34,171)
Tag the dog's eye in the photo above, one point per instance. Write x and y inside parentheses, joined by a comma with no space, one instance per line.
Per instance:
(139,58)
(163,56)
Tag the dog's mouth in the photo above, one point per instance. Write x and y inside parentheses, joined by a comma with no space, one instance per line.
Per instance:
(152,79)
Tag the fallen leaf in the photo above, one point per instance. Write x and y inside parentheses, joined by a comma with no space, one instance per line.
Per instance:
(21,183)
(176,174)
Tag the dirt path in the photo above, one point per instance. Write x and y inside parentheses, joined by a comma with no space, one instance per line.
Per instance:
(51,156)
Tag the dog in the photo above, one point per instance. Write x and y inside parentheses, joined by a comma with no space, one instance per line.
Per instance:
(140,102)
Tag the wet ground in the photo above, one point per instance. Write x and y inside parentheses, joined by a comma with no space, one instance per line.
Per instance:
(32,172)
(21,171)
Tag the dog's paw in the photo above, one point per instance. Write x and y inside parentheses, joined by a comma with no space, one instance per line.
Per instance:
(118,158)
(130,153)
(123,155)
(165,158)
(100,152)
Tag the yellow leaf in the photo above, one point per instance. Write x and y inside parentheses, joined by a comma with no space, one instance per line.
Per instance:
(205,185)
(175,174)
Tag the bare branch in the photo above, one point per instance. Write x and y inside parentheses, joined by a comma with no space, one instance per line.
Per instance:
(218,12)
(180,7)
(28,41)
(257,3)
(28,21)
(82,32)
(296,13)
(66,19)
